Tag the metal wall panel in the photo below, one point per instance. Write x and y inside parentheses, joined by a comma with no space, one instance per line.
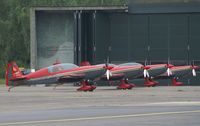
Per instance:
(86,36)
(158,37)
(178,38)
(194,38)
(102,37)
(163,6)
(138,37)
(119,37)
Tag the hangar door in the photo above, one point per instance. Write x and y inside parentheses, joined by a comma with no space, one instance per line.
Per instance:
(153,37)
(121,37)
(102,37)
(194,37)
(168,38)
(55,37)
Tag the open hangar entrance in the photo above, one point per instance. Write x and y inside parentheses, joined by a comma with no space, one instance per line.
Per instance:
(94,33)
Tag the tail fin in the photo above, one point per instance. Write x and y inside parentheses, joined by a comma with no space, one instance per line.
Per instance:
(13,73)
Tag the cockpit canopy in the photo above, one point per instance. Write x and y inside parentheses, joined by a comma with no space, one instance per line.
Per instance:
(60,67)
(129,64)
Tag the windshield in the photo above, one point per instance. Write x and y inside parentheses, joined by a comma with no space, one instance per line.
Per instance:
(129,64)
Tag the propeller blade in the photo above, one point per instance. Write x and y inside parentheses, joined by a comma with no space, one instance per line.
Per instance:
(146,73)
(194,72)
(169,72)
(108,74)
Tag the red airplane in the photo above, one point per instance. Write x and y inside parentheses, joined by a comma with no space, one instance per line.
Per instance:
(123,72)
(178,72)
(154,71)
(59,73)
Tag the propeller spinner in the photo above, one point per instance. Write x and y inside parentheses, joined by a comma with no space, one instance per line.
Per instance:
(194,68)
(194,72)
(146,73)
(108,73)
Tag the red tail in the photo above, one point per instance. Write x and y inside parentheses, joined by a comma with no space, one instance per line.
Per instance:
(13,73)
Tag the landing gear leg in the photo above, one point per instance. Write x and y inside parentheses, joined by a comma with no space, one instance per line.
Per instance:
(150,82)
(124,84)
(54,88)
(176,83)
(9,88)
(86,86)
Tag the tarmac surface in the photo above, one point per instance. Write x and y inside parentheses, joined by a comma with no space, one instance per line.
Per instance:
(156,106)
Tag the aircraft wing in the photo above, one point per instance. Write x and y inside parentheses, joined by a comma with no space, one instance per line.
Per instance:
(177,71)
(113,77)
(156,70)
(71,78)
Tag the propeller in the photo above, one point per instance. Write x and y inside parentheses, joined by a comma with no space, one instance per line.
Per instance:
(108,73)
(145,72)
(194,72)
(169,72)
(194,69)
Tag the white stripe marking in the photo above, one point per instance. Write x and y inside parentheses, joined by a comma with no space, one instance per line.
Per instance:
(100,117)
(176,103)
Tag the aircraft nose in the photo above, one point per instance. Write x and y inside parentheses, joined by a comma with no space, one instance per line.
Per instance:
(169,65)
(195,67)
(146,67)
(108,67)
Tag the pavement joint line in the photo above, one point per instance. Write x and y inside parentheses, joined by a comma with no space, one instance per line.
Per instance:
(100,117)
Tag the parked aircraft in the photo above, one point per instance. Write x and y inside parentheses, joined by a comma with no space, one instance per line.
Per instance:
(179,72)
(58,73)
(124,72)
(156,70)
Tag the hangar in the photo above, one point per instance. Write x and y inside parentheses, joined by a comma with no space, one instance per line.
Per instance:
(155,31)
